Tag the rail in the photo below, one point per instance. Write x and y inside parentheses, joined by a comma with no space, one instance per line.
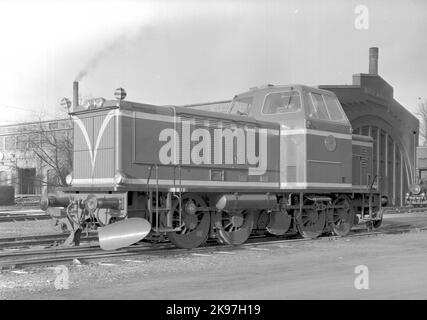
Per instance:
(31,257)
(27,199)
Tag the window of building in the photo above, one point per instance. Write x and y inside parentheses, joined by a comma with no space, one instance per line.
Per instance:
(282,102)
(61,134)
(22,142)
(26,179)
(3,178)
(33,139)
(10,143)
(53,125)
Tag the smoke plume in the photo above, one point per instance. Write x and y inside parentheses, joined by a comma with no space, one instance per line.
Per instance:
(95,60)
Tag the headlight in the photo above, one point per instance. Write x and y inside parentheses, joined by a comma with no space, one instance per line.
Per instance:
(415,188)
(91,203)
(407,194)
(120,94)
(423,194)
(119,178)
(69,179)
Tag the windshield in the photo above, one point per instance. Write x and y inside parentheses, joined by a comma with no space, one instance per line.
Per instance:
(282,102)
(324,107)
(241,106)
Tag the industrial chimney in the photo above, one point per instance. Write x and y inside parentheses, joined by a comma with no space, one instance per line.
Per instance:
(373,60)
(75,94)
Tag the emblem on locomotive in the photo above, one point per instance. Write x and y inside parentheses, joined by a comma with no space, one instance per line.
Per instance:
(226,146)
(330,143)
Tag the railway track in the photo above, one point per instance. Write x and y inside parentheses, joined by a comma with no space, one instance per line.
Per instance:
(13,217)
(406,209)
(87,253)
(38,240)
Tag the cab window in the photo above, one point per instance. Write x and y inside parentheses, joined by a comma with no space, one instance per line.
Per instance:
(334,108)
(324,107)
(318,110)
(282,102)
(241,106)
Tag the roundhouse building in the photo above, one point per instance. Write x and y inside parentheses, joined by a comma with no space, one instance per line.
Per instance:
(372,110)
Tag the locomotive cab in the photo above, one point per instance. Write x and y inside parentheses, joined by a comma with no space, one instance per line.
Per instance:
(293,106)
(315,134)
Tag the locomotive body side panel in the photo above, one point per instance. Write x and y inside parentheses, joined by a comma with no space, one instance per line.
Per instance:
(173,147)
(307,163)
(292,159)
(328,159)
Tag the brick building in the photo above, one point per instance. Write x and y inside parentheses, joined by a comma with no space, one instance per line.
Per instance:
(19,165)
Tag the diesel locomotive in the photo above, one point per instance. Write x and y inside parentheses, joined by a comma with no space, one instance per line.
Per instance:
(280,160)
(416,196)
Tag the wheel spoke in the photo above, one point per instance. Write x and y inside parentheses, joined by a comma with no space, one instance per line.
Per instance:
(236,227)
(196,232)
(312,221)
(342,217)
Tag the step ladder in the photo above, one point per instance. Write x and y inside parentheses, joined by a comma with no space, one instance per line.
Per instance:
(156,213)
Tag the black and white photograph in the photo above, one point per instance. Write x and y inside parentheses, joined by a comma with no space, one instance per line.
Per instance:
(213,155)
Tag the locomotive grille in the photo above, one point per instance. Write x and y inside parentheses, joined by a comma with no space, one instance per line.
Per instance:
(422,162)
(94,136)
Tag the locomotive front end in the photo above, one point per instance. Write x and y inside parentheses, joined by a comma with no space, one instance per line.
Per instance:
(95,197)
(417,195)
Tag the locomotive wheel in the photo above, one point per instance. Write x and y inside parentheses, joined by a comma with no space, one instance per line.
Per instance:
(234,227)
(373,225)
(311,221)
(342,218)
(194,223)
(376,224)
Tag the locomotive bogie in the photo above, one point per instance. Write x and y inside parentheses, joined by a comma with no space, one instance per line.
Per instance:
(189,219)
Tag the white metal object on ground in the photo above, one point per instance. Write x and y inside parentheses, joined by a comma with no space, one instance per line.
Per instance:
(123,233)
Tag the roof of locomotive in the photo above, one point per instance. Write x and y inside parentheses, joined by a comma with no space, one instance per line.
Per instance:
(261,91)
(274,88)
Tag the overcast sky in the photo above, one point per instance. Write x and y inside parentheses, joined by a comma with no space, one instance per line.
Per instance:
(177,52)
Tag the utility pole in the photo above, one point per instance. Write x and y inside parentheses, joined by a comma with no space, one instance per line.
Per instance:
(415,156)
